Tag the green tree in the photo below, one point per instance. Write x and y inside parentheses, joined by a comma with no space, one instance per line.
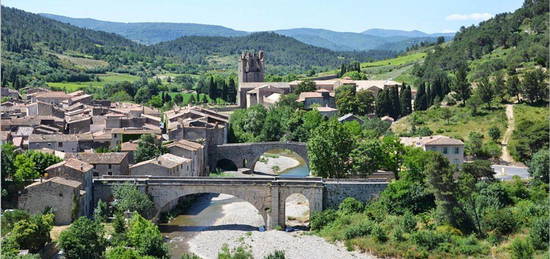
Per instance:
(474,144)
(366,158)
(473,103)
(83,239)
(8,163)
(405,98)
(178,99)
(148,148)
(305,86)
(33,233)
(440,179)
(513,86)
(421,100)
(494,133)
(145,237)
(26,169)
(346,101)
(121,252)
(365,102)
(328,148)
(101,212)
(461,86)
(539,166)
(446,114)
(129,198)
(534,87)
(42,160)
(485,91)
(119,224)
(239,252)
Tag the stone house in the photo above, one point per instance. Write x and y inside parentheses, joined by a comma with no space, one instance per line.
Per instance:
(53,97)
(112,163)
(193,151)
(350,117)
(59,142)
(129,147)
(451,148)
(320,97)
(165,165)
(63,196)
(72,169)
(77,124)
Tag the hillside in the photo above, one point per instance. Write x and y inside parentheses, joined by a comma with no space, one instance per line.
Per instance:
(509,43)
(152,33)
(283,54)
(401,33)
(149,32)
(33,52)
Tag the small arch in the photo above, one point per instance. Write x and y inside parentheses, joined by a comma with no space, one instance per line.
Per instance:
(297,211)
(226,165)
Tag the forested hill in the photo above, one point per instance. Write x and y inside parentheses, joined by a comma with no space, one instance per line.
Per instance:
(280,51)
(506,42)
(37,49)
(149,32)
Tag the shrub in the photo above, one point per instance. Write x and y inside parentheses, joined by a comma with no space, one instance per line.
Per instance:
(323,218)
(429,239)
(350,205)
(189,256)
(33,233)
(501,222)
(83,239)
(279,254)
(9,218)
(121,252)
(409,222)
(538,234)
(521,249)
(494,133)
(101,211)
(397,234)
(145,237)
(492,150)
(237,253)
(469,246)
(379,234)
(128,197)
(362,229)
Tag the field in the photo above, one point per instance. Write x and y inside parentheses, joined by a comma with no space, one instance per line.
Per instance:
(530,113)
(104,79)
(460,124)
(398,68)
(83,62)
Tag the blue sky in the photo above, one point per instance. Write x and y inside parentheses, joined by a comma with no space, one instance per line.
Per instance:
(257,15)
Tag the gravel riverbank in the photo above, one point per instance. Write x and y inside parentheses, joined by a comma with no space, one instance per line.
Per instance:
(234,229)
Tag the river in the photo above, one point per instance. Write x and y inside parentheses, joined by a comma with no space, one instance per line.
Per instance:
(208,208)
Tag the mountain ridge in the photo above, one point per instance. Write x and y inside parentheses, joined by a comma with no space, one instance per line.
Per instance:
(150,33)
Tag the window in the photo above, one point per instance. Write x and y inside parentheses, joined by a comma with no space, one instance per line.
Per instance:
(457,150)
(110,173)
(60,144)
(110,166)
(445,150)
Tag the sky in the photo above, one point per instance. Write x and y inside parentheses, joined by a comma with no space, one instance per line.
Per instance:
(261,15)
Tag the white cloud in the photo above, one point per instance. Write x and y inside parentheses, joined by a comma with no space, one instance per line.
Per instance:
(472,16)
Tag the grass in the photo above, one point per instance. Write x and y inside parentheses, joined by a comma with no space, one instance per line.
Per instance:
(530,113)
(83,62)
(460,125)
(104,79)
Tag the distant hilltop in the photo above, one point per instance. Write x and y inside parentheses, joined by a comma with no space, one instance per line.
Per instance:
(154,32)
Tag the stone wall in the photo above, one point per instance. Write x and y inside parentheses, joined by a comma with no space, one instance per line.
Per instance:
(247,154)
(335,192)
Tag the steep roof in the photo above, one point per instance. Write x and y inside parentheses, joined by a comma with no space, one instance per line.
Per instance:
(99,158)
(437,140)
(73,163)
(166,160)
(185,144)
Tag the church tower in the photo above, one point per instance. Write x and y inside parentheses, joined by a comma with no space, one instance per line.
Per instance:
(251,67)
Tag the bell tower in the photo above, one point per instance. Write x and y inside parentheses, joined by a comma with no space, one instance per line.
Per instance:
(251,67)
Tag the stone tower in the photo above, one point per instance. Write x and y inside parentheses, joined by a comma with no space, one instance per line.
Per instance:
(251,67)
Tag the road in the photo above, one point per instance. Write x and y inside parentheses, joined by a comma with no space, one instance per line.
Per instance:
(506,157)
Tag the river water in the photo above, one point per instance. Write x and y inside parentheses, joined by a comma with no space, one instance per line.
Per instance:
(207,209)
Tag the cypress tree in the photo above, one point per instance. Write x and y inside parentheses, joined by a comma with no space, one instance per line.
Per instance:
(405,100)
(231,91)
(421,101)
(395,105)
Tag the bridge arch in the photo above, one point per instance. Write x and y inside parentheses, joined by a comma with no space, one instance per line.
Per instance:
(256,196)
(247,154)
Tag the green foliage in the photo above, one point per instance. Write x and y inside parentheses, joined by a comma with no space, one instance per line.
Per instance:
(501,222)
(236,253)
(321,219)
(539,166)
(83,239)
(101,212)
(9,218)
(145,237)
(429,239)
(189,256)
(305,86)
(278,254)
(121,252)
(26,169)
(494,133)
(119,223)
(129,198)
(359,230)
(328,149)
(33,233)
(409,222)
(350,205)
(148,148)
(8,161)
(521,249)
(539,233)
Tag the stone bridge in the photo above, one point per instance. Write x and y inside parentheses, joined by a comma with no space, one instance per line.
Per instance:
(267,194)
(247,154)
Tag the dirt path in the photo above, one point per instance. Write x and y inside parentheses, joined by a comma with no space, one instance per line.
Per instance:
(506,157)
